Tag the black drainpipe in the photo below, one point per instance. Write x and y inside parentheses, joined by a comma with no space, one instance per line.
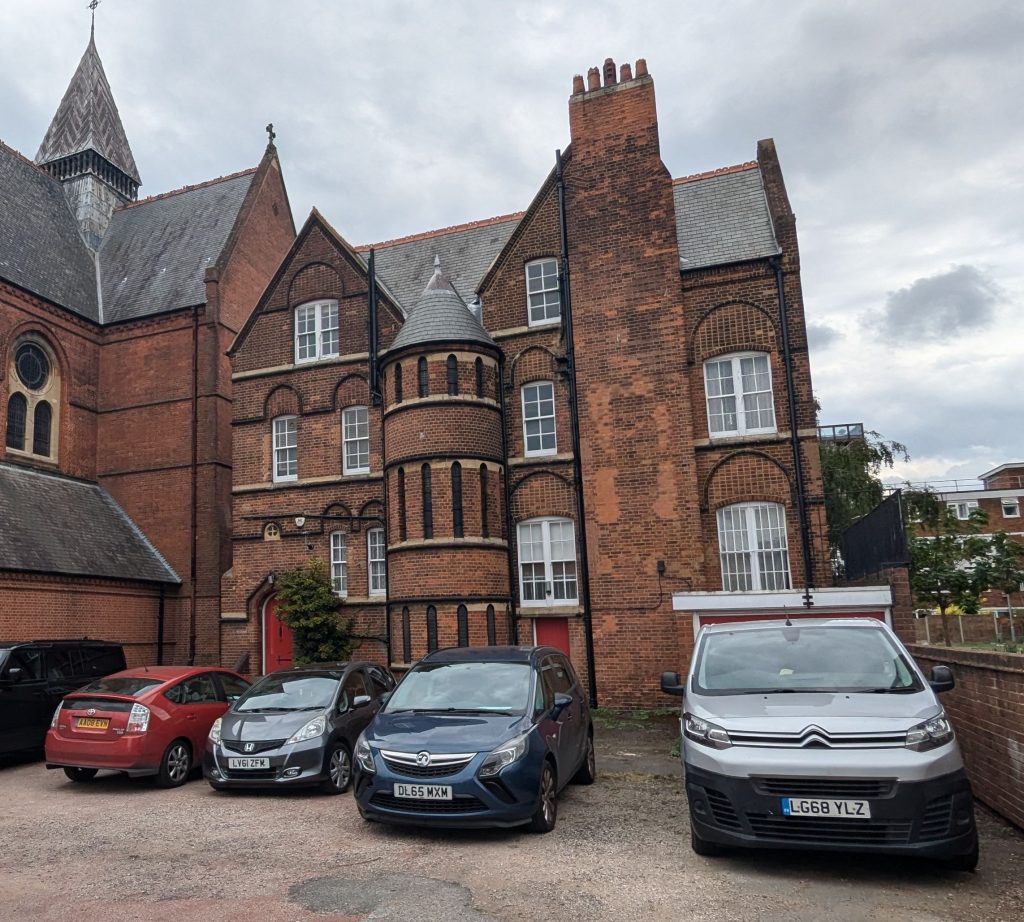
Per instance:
(577,462)
(195,487)
(160,627)
(513,582)
(798,468)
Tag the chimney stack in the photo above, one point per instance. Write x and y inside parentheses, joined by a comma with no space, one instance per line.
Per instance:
(593,79)
(609,72)
(625,73)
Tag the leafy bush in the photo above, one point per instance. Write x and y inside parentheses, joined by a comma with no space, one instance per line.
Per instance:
(307,604)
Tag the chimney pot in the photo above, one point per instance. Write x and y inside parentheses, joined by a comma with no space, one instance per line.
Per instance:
(641,67)
(577,84)
(593,79)
(609,72)
(625,73)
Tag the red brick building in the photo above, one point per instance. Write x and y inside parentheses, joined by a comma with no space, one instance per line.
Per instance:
(115,390)
(589,423)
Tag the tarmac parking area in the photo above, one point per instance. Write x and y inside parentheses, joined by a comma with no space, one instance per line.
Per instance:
(115,849)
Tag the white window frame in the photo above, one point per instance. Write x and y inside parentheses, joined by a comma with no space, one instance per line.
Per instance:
(1014,505)
(556,570)
(966,506)
(283,427)
(319,320)
(359,444)
(376,564)
(739,396)
(541,286)
(339,563)
(542,418)
(745,550)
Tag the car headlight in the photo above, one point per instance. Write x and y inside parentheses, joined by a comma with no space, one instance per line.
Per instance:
(930,734)
(704,732)
(504,755)
(215,730)
(364,755)
(316,727)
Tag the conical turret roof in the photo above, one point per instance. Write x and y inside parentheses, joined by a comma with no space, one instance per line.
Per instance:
(440,316)
(87,118)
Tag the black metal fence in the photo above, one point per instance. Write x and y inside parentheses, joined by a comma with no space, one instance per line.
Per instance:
(874,542)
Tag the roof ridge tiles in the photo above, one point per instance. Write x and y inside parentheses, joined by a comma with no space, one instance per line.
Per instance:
(441,231)
(190,188)
(720,171)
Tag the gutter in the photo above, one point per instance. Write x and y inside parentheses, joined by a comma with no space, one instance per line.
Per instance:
(513,618)
(194,500)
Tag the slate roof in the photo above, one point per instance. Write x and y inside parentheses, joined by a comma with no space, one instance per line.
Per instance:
(466,252)
(723,217)
(440,315)
(154,254)
(41,248)
(87,118)
(52,524)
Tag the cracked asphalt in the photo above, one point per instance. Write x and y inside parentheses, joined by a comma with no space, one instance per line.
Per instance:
(116,850)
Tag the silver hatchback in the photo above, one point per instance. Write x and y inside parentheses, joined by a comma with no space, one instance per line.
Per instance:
(820,734)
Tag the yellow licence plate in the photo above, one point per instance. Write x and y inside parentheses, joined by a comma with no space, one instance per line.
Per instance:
(94,723)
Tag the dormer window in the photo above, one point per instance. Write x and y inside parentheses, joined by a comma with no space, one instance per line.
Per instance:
(544,302)
(316,331)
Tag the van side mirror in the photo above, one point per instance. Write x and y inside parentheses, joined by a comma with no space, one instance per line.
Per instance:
(562,701)
(15,674)
(941,679)
(361,701)
(670,684)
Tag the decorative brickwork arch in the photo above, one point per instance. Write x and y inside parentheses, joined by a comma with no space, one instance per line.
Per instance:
(374,508)
(283,400)
(532,363)
(352,390)
(542,493)
(315,280)
(733,326)
(746,475)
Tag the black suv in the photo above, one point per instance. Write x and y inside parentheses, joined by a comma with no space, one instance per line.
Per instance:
(36,675)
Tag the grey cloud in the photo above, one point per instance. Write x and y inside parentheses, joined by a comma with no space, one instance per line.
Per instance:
(940,306)
(821,335)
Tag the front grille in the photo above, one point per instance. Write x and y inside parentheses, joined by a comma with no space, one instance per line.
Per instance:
(935,821)
(816,738)
(257,774)
(427,771)
(258,745)
(722,809)
(826,830)
(463,803)
(825,787)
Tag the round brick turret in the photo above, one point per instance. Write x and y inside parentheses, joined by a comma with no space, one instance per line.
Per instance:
(444,468)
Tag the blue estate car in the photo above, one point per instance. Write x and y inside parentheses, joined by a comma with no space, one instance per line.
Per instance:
(483,736)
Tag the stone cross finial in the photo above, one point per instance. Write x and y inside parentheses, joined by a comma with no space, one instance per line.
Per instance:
(270,133)
(92,6)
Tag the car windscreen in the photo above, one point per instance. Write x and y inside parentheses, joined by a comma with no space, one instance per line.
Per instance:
(124,685)
(801,659)
(501,688)
(303,692)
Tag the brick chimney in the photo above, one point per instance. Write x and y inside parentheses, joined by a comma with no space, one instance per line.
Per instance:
(610,111)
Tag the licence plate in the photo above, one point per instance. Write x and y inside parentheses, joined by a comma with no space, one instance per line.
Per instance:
(834,809)
(424,791)
(248,763)
(93,723)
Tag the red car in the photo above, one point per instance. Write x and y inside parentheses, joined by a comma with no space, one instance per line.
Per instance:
(153,720)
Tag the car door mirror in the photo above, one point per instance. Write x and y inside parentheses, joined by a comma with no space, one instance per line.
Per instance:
(562,701)
(670,684)
(941,679)
(15,674)
(361,701)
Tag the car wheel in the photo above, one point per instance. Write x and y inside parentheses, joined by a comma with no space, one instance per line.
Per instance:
(175,765)
(965,862)
(339,770)
(80,774)
(587,773)
(703,846)
(547,810)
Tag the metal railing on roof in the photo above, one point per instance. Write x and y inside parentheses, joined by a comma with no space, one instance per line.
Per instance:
(846,432)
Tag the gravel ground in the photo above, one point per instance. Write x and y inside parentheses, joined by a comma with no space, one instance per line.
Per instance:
(116,849)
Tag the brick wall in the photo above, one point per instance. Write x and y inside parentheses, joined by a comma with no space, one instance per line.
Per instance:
(987,710)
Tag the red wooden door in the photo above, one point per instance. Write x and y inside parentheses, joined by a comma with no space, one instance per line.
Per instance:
(551,632)
(277,640)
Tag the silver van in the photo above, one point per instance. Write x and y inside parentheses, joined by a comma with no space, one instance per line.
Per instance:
(820,734)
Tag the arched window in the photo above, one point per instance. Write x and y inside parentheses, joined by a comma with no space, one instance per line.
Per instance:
(424,381)
(485,524)
(17,413)
(463,620)
(431,629)
(457,499)
(398,383)
(401,504)
(41,429)
(272,532)
(428,503)
(479,365)
(753,547)
(491,638)
(453,376)
(547,563)
(339,563)
(406,636)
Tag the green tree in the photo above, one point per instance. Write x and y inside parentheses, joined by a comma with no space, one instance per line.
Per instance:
(308,605)
(850,473)
(1002,570)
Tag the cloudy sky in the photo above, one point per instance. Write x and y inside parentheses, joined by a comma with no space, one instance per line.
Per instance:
(899,127)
